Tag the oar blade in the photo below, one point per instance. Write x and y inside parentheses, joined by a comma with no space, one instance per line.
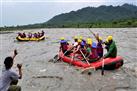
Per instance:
(88,70)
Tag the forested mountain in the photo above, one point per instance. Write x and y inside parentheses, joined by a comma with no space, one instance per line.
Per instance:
(92,15)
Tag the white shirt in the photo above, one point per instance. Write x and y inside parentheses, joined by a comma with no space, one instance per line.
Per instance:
(75,44)
(6,77)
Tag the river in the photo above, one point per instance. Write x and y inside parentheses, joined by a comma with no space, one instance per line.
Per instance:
(41,75)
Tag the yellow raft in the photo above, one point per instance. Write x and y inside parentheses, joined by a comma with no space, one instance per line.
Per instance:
(30,39)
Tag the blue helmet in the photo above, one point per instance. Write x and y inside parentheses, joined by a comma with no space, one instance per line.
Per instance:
(94,45)
(63,41)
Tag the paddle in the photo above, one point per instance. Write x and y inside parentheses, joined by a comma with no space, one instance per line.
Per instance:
(91,32)
(84,57)
(63,55)
(72,59)
(102,71)
(88,70)
(96,36)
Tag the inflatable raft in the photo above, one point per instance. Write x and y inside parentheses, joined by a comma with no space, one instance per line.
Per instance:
(109,63)
(30,39)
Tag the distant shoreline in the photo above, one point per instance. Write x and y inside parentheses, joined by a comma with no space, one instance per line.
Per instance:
(12,31)
(126,23)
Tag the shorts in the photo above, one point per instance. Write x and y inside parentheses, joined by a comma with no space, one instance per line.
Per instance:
(14,88)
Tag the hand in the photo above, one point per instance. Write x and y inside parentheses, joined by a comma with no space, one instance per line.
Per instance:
(102,58)
(87,59)
(19,66)
(15,52)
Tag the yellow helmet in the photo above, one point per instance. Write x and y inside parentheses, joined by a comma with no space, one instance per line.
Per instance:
(75,37)
(106,41)
(100,38)
(62,38)
(89,41)
(109,38)
(79,40)
(81,37)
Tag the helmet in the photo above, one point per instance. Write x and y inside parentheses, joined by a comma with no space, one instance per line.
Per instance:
(94,45)
(106,41)
(109,38)
(75,37)
(79,40)
(89,41)
(81,37)
(100,38)
(62,38)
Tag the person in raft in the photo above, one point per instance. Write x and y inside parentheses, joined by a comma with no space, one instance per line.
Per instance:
(78,47)
(24,35)
(75,41)
(29,35)
(83,41)
(111,48)
(9,78)
(83,44)
(91,52)
(42,33)
(88,53)
(64,46)
(74,44)
(99,45)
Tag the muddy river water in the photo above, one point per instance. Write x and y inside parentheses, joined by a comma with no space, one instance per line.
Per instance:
(41,75)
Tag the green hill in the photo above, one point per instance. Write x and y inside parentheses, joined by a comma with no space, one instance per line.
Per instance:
(93,15)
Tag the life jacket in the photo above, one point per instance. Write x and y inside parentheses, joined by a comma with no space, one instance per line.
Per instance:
(99,48)
(82,45)
(35,35)
(19,34)
(84,41)
(94,51)
(107,46)
(64,45)
(24,35)
(29,35)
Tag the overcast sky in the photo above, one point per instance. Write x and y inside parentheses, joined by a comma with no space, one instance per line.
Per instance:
(20,12)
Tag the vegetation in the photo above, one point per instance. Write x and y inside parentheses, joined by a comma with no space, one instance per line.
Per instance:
(95,15)
(112,24)
(89,17)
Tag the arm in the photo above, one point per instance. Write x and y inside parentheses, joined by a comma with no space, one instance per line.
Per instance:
(77,48)
(15,53)
(88,53)
(110,51)
(13,75)
(95,35)
(60,48)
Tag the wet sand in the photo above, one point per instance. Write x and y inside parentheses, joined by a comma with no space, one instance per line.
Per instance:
(41,75)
